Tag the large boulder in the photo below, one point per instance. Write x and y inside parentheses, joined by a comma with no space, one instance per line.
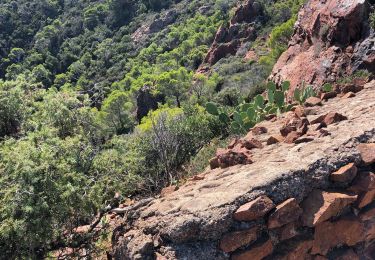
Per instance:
(331,39)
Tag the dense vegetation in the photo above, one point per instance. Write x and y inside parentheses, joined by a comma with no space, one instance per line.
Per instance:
(70,75)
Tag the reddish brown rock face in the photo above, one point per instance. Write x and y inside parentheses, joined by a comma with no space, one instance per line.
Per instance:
(254,209)
(257,252)
(232,241)
(347,231)
(313,55)
(320,206)
(345,174)
(286,212)
(367,152)
(288,231)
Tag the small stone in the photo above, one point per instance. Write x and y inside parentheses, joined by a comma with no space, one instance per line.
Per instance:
(333,117)
(328,95)
(232,241)
(292,137)
(321,205)
(275,139)
(318,120)
(349,95)
(364,186)
(251,143)
(286,212)
(345,174)
(313,101)
(367,152)
(258,252)
(347,231)
(254,209)
(285,130)
(258,130)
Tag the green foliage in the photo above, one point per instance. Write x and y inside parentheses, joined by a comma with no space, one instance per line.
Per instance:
(327,87)
(303,93)
(359,74)
(246,115)
(372,19)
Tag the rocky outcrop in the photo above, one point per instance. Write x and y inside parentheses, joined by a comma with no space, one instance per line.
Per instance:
(159,23)
(289,203)
(147,101)
(332,39)
(230,37)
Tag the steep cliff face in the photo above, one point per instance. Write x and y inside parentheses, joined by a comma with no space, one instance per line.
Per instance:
(332,39)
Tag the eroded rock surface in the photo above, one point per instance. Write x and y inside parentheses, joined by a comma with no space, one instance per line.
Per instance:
(191,222)
(332,38)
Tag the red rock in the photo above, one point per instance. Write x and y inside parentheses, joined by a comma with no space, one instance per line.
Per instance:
(351,87)
(367,152)
(313,101)
(232,241)
(370,230)
(287,129)
(348,231)
(349,95)
(292,137)
(334,117)
(231,157)
(318,120)
(168,190)
(286,212)
(328,95)
(320,206)
(345,174)
(254,209)
(364,186)
(258,130)
(258,252)
(251,143)
(288,231)
(214,163)
(275,139)
(300,252)
(366,199)
(365,181)
(321,23)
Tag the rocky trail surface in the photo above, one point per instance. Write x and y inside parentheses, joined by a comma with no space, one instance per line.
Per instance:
(306,189)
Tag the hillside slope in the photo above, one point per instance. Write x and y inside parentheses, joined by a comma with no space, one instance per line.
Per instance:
(303,186)
(189,223)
